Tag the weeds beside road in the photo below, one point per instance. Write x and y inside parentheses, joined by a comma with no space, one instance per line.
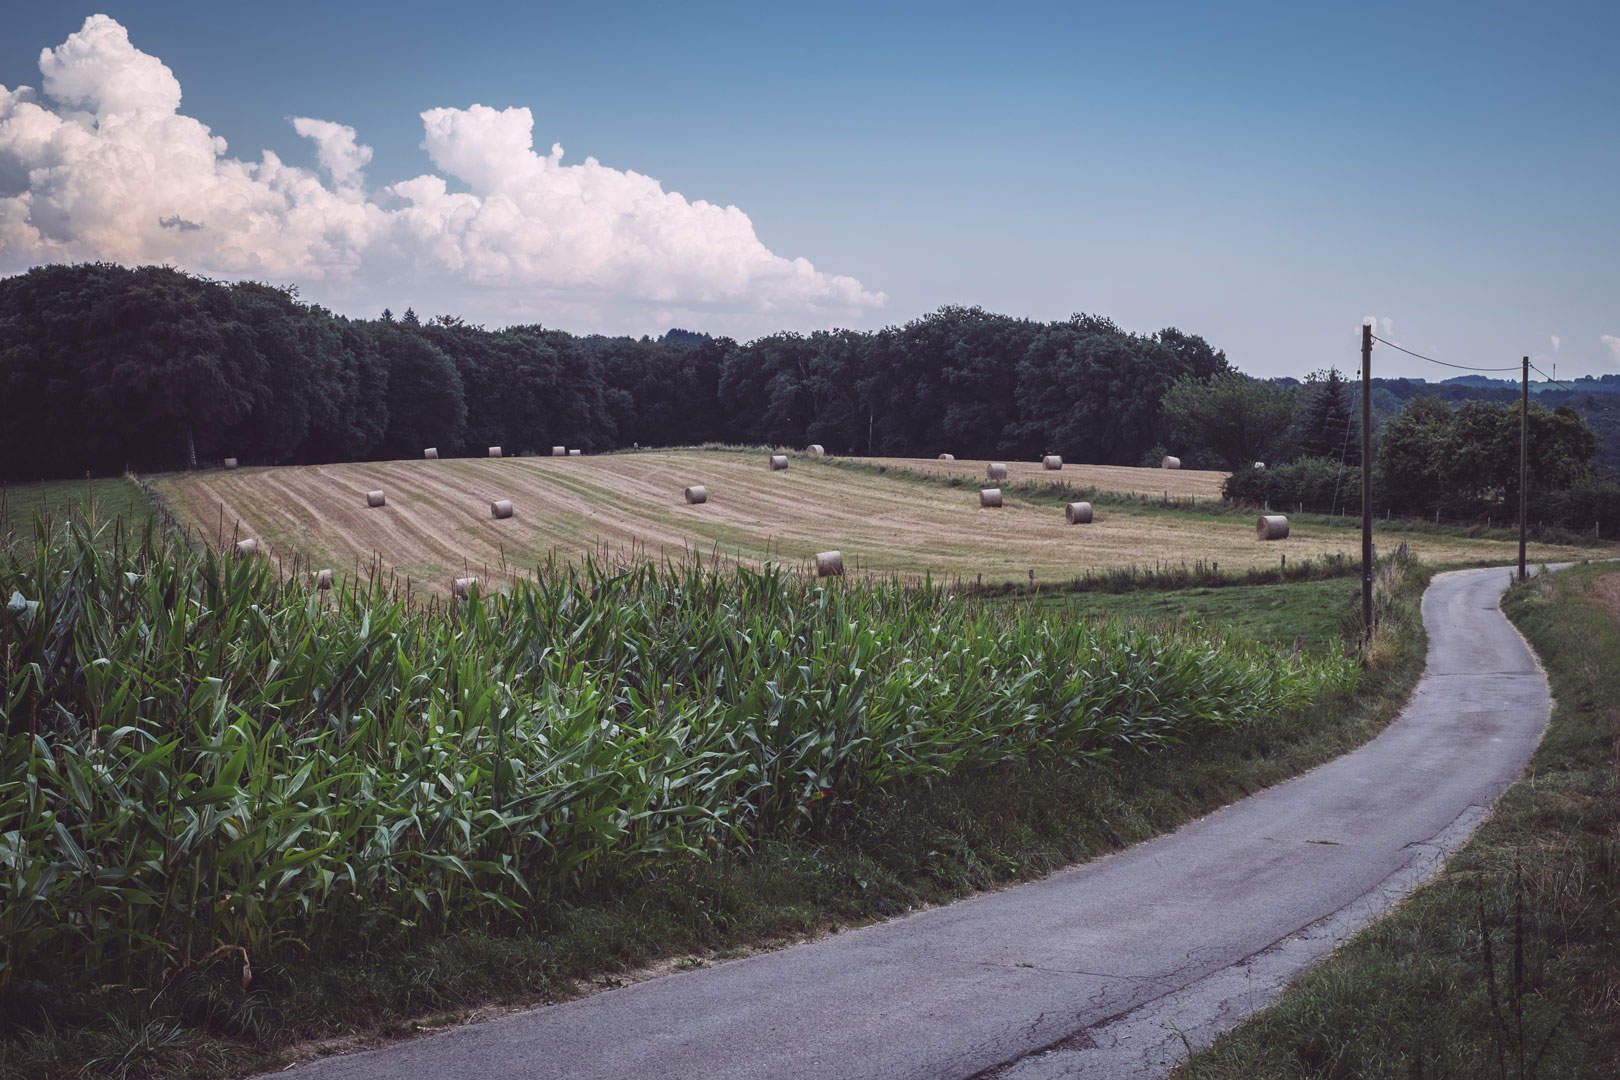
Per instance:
(1508,964)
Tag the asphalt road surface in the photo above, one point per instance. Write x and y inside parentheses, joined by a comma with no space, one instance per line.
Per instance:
(1098,971)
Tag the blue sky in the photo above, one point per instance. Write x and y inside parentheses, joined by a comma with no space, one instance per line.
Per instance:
(1263,174)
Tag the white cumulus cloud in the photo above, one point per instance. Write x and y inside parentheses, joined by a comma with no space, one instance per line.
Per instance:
(1612,343)
(107,167)
(337,151)
(1556,342)
(1382,325)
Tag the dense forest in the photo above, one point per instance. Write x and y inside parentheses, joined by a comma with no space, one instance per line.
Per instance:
(154,369)
(104,368)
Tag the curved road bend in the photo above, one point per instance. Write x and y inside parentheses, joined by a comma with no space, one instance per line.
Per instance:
(1090,972)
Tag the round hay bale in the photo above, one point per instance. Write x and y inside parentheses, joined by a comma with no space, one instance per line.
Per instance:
(246,549)
(947,457)
(697,493)
(501,508)
(990,497)
(1052,461)
(323,580)
(815,449)
(1078,513)
(463,586)
(230,463)
(576,453)
(431,454)
(1271,527)
(778,462)
(375,498)
(494,451)
(829,564)
(995,471)
(1170,462)
(559,451)
(1259,464)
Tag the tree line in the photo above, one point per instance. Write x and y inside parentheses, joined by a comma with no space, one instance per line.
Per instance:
(1300,446)
(106,368)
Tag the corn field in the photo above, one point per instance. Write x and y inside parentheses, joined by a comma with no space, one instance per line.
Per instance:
(200,754)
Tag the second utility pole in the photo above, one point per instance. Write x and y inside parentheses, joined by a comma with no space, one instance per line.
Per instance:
(1524,454)
(1366,484)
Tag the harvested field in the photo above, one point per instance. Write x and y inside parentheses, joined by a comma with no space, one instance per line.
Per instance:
(1176,483)
(630,507)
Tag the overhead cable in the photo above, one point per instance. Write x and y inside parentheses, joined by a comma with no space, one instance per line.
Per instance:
(1442,363)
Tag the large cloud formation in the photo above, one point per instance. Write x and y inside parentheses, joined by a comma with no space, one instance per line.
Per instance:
(111,169)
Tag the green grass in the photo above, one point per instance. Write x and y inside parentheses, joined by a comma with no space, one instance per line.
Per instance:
(90,502)
(1276,614)
(1418,994)
(376,963)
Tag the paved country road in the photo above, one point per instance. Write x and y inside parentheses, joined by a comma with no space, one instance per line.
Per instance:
(1095,971)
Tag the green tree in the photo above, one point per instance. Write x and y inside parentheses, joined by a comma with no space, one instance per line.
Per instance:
(1228,419)
(1464,461)
(945,382)
(426,402)
(565,380)
(1328,427)
(497,386)
(324,395)
(1091,392)
(147,367)
(1409,464)
(1194,355)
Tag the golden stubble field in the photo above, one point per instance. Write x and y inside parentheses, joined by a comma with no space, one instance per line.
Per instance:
(629,507)
(1174,483)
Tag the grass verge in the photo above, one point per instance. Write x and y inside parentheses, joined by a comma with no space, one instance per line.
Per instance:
(1508,964)
(1312,612)
(58,501)
(911,845)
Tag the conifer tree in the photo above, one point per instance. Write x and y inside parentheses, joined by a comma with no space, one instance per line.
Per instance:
(1328,428)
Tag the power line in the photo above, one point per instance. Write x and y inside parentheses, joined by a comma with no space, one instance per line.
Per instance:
(1553,381)
(1594,398)
(1564,385)
(1442,363)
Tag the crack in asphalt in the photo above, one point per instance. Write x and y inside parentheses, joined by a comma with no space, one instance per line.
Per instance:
(1020,965)
(1475,674)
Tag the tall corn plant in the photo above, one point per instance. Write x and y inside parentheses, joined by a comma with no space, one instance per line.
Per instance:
(199,754)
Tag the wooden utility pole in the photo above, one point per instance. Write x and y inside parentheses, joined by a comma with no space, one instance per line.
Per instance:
(1366,483)
(1524,454)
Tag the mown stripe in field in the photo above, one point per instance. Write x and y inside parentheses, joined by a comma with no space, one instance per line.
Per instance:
(629,507)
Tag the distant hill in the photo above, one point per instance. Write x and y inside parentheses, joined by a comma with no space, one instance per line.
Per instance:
(1596,398)
(1602,384)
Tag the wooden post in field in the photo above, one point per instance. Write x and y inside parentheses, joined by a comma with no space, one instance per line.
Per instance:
(1524,454)
(1366,483)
